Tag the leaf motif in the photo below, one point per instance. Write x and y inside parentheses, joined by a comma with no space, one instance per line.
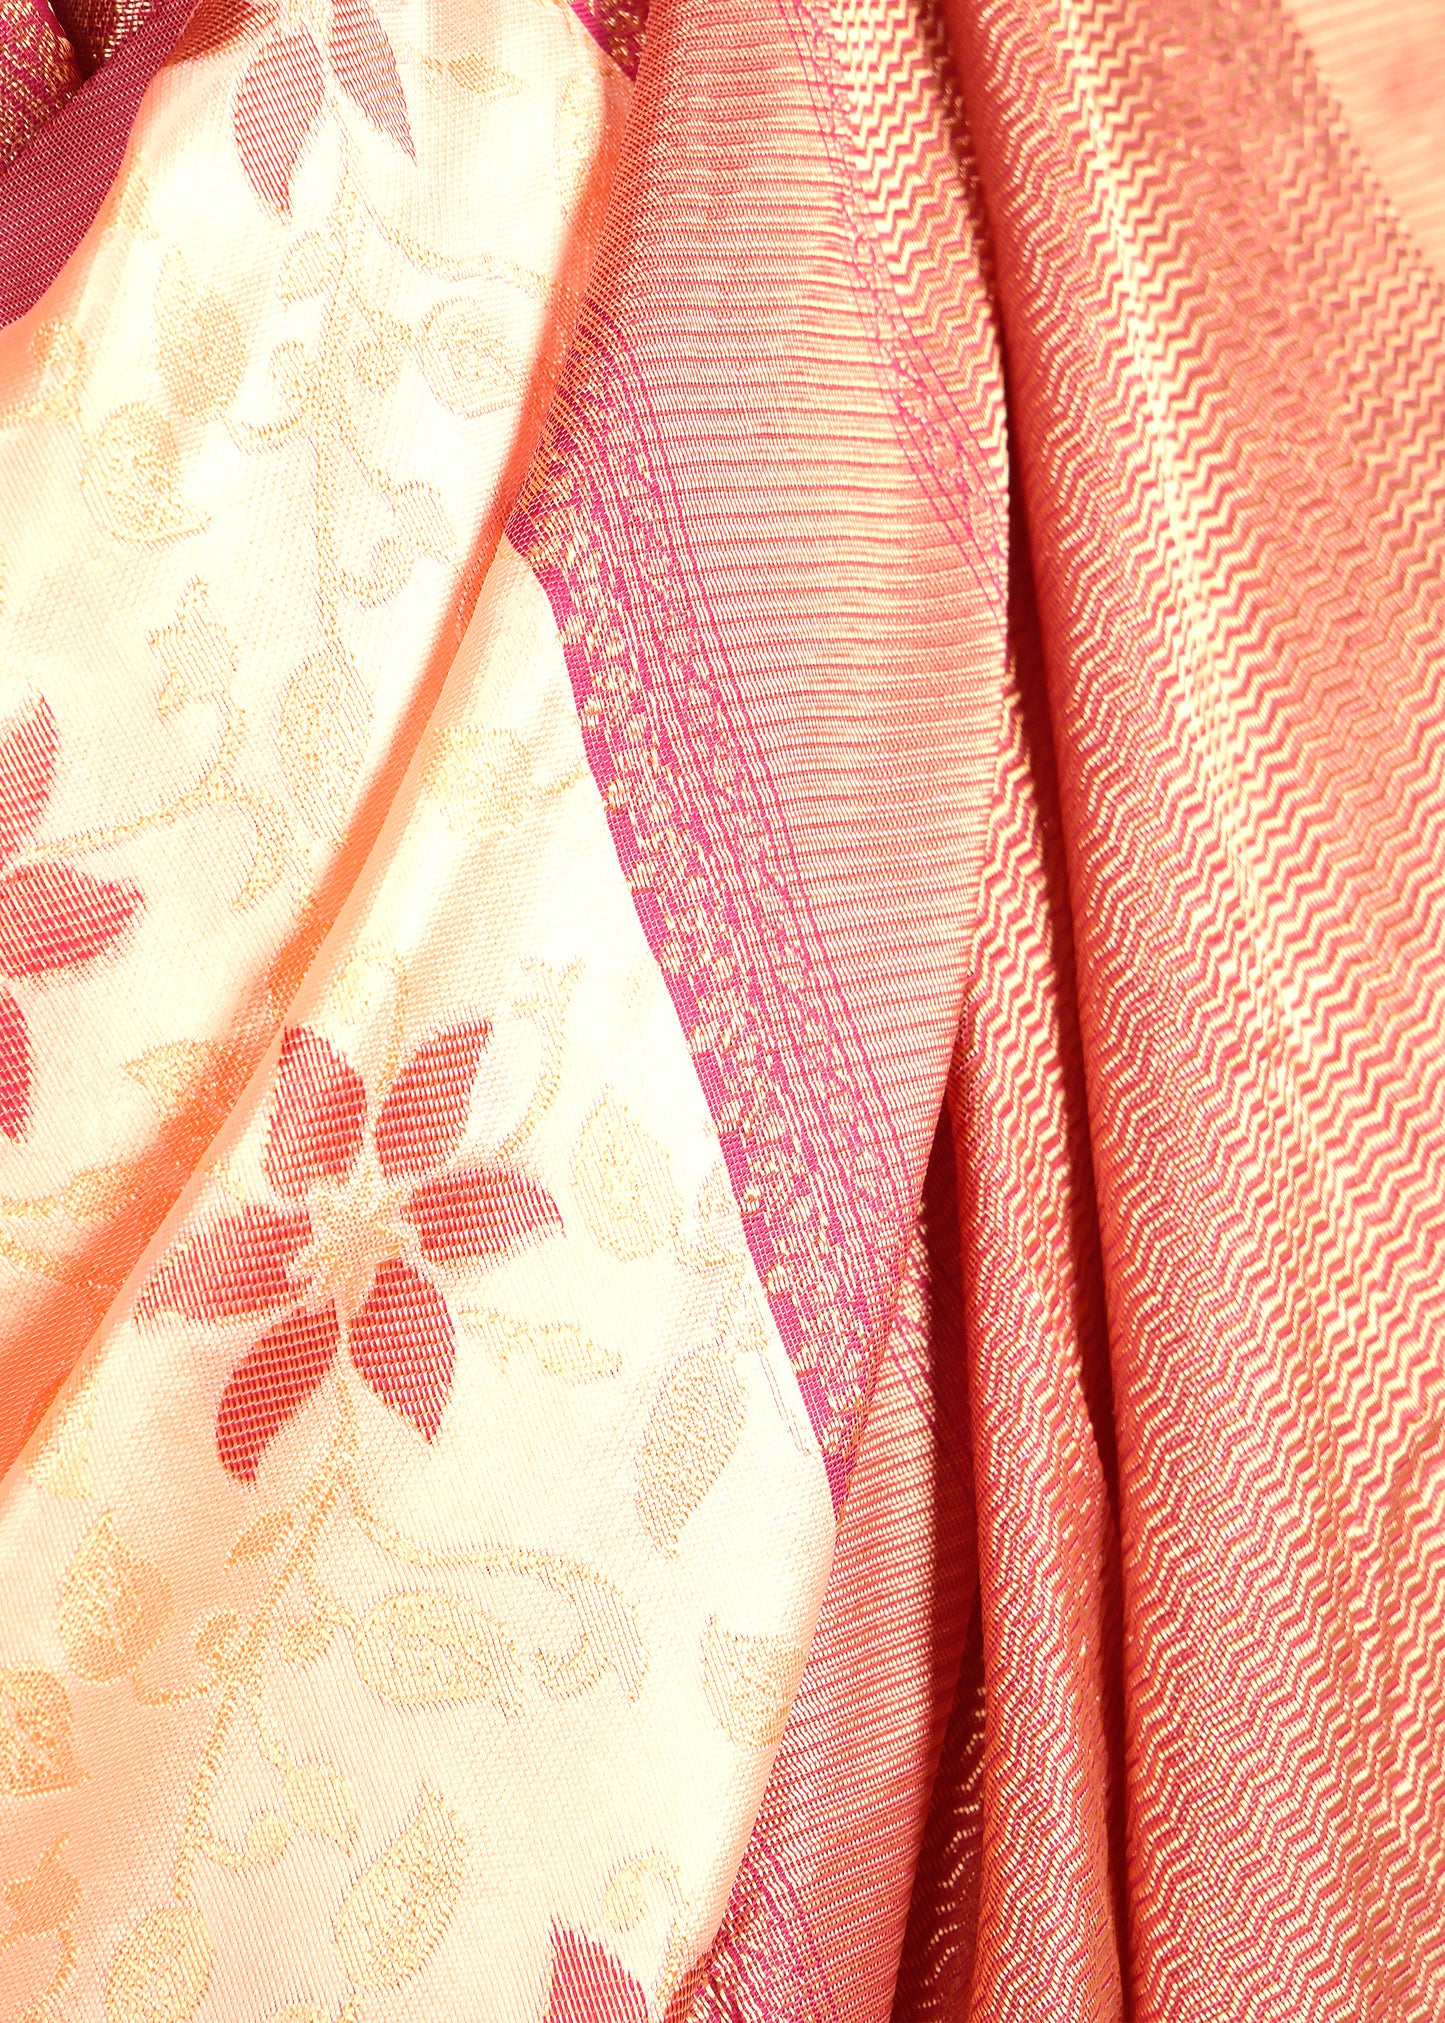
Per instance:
(320,1801)
(690,1437)
(261,1539)
(159,1971)
(624,1182)
(465,359)
(627,1899)
(46,1901)
(29,745)
(402,1342)
(267,1840)
(365,66)
(421,1122)
(195,653)
(400,1905)
(750,1682)
(36,1725)
(275,849)
(478,1212)
(589,1985)
(200,353)
(113,1605)
(610,1639)
(172,1075)
(270,1385)
(308,267)
(131,479)
(321,740)
(419,1648)
(715,1237)
(276,108)
(475,72)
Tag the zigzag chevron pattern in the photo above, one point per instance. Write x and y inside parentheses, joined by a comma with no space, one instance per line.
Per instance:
(1230,399)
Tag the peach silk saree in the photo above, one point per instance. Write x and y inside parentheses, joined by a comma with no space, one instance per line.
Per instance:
(722,1012)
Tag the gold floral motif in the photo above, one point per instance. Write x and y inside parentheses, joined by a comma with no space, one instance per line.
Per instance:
(398,1908)
(267,1840)
(303,1639)
(632,1886)
(174,1075)
(309,267)
(319,1800)
(160,1970)
(195,653)
(559,1346)
(421,1648)
(750,1682)
(467,363)
(113,1605)
(261,1539)
(475,73)
(624,1182)
(200,351)
(321,739)
(481,778)
(216,1636)
(714,1237)
(99,1191)
(45,1902)
(131,480)
(695,1425)
(36,1726)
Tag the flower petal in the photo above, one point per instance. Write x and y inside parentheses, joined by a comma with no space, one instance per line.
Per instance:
(589,1985)
(318,1115)
(14,1067)
(276,109)
(230,1268)
(270,1385)
(478,1212)
(403,1344)
(27,764)
(365,67)
(53,916)
(426,1112)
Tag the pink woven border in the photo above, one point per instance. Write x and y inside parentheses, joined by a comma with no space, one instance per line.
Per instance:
(805,1134)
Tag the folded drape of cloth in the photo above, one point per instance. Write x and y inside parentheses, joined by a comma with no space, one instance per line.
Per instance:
(722,964)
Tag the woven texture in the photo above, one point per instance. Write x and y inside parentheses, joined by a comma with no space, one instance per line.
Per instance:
(721,1086)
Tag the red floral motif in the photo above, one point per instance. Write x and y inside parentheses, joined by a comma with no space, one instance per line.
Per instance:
(346,1257)
(51,915)
(589,1986)
(284,86)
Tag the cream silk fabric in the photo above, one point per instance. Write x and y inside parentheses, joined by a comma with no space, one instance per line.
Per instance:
(334,1693)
